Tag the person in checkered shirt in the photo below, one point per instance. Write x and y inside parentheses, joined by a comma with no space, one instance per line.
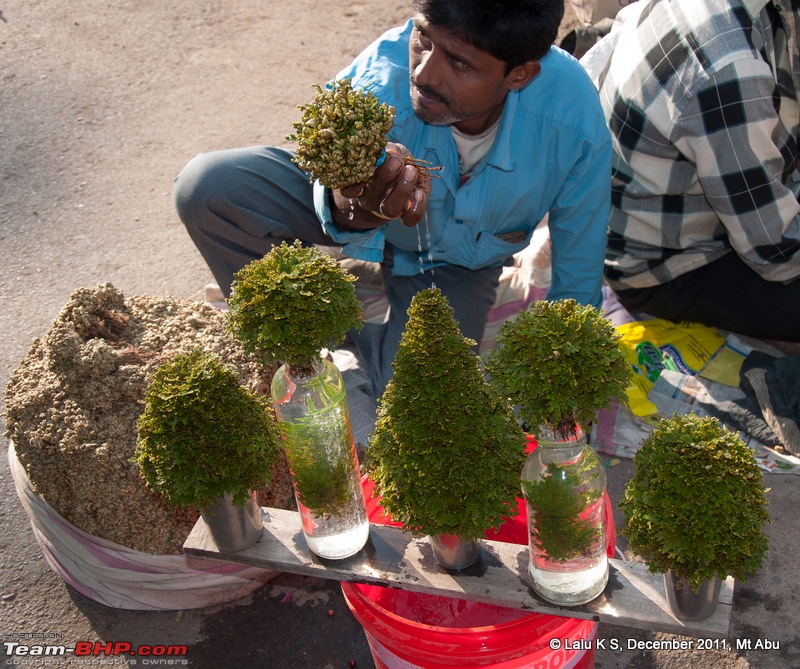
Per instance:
(701,97)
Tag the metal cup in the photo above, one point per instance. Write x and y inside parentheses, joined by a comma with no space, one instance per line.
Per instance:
(687,604)
(234,527)
(451,552)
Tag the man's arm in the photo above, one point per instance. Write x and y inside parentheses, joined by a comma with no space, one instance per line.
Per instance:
(578,222)
(730,133)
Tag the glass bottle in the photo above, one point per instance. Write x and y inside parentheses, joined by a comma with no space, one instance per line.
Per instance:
(311,407)
(563,482)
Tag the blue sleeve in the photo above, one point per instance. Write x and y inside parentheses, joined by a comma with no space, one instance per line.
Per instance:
(360,244)
(578,222)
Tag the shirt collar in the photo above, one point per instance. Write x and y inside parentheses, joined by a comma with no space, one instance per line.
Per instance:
(753,7)
(500,153)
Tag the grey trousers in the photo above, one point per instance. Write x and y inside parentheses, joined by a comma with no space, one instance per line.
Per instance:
(239,203)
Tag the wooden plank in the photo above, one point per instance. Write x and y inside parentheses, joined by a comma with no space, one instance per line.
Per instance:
(633,598)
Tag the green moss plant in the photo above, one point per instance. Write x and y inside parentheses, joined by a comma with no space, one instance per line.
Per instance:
(292,303)
(559,500)
(287,306)
(696,502)
(203,435)
(319,444)
(446,452)
(558,362)
(342,135)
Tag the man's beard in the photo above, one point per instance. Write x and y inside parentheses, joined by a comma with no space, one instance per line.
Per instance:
(446,117)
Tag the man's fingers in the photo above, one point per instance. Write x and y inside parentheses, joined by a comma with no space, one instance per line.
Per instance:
(376,188)
(393,204)
(415,208)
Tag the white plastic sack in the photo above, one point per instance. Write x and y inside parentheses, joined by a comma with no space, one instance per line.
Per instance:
(123,578)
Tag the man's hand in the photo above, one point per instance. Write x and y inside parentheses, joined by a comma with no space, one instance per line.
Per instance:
(394,191)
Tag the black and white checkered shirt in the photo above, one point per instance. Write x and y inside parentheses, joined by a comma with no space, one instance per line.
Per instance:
(701,97)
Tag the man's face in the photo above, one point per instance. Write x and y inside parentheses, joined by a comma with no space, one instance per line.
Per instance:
(452,82)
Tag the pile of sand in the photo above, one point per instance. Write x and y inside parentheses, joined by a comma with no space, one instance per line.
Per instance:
(73,402)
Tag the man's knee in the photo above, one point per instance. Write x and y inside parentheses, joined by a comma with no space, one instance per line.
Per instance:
(196,186)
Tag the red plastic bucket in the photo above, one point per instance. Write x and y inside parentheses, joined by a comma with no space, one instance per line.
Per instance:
(407,630)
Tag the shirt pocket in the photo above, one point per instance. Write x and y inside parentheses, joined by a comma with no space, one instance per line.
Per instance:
(462,245)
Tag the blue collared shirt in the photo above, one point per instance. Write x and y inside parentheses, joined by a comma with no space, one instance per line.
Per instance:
(551,156)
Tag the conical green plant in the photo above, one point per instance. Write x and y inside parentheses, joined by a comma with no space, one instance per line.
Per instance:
(290,304)
(446,453)
(558,362)
(203,435)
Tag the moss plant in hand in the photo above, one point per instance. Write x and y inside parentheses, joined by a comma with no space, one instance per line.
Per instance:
(446,452)
(558,362)
(696,502)
(203,435)
(342,134)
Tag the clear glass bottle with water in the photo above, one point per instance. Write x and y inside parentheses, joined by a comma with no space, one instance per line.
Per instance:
(311,408)
(563,482)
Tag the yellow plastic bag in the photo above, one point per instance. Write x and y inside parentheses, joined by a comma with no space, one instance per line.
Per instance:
(654,345)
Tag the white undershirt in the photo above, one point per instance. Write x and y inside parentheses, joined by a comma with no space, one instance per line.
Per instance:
(473,148)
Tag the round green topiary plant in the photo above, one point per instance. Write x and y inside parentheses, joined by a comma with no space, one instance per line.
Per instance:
(696,502)
(446,452)
(292,303)
(203,435)
(558,362)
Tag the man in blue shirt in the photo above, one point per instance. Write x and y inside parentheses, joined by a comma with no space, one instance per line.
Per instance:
(480,91)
